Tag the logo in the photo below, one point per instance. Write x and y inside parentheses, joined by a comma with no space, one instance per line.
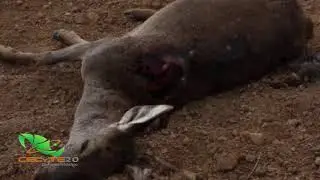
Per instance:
(42,150)
(40,144)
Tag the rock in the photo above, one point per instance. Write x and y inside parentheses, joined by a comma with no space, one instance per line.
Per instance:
(250,158)
(55,102)
(317,161)
(316,150)
(260,171)
(235,132)
(75,9)
(79,19)
(165,132)
(92,17)
(19,2)
(293,170)
(222,138)
(46,6)
(227,162)
(185,140)
(276,142)
(40,15)
(256,138)
(294,122)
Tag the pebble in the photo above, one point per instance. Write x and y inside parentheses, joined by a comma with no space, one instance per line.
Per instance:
(55,102)
(235,132)
(316,150)
(256,138)
(294,122)
(40,15)
(317,161)
(250,158)
(46,6)
(222,138)
(293,170)
(185,140)
(19,2)
(79,19)
(227,162)
(260,171)
(92,17)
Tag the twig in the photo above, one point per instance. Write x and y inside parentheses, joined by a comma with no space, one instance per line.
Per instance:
(254,167)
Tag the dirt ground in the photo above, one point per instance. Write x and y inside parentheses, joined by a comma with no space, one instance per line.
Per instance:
(253,132)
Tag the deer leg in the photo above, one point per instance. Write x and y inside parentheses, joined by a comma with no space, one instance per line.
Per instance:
(139,14)
(71,53)
(77,47)
(68,37)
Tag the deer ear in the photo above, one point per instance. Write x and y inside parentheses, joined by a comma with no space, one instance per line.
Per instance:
(140,116)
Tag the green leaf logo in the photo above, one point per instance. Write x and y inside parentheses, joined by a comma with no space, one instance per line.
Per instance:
(40,144)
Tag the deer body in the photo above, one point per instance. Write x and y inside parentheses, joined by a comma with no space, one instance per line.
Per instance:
(207,45)
(233,42)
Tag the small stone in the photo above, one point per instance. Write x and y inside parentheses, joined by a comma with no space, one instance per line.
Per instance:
(19,2)
(301,137)
(79,19)
(75,9)
(46,6)
(271,169)
(40,15)
(250,158)
(260,171)
(55,102)
(316,150)
(235,132)
(165,132)
(294,122)
(256,138)
(303,129)
(185,140)
(227,162)
(67,14)
(293,170)
(317,161)
(164,150)
(92,17)
(222,138)
(243,177)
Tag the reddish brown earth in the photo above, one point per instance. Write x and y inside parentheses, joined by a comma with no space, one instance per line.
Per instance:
(256,131)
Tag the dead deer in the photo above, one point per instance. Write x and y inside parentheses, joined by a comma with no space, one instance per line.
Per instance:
(184,51)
